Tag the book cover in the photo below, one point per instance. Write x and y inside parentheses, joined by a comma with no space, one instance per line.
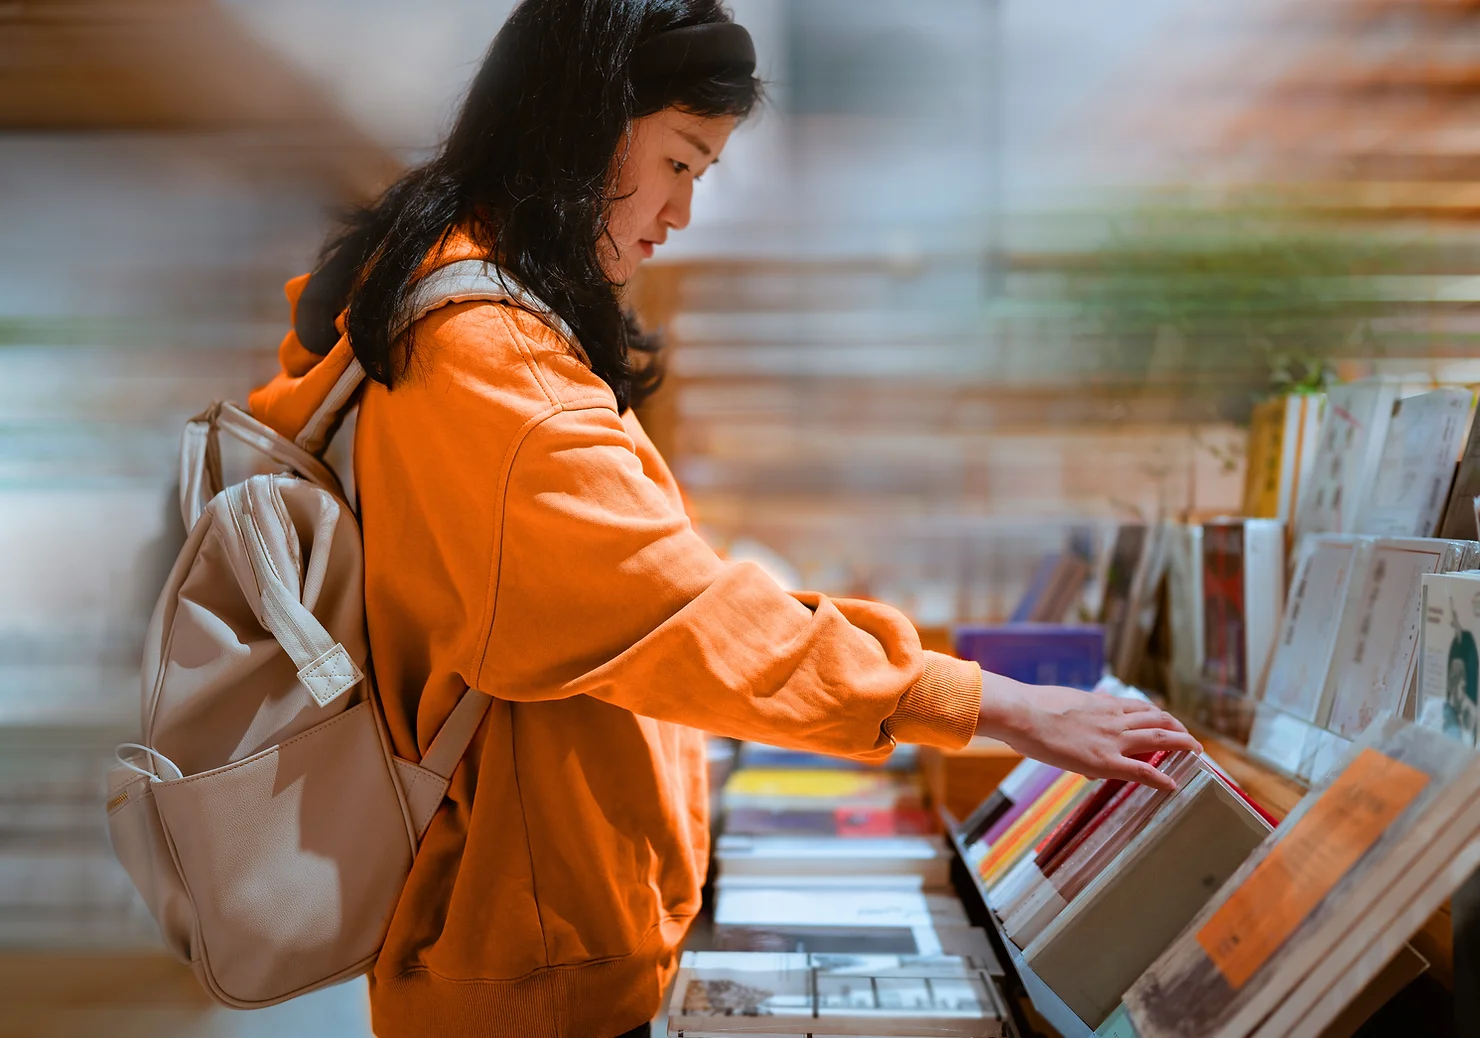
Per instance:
(1345,465)
(1371,669)
(923,856)
(1416,467)
(1317,887)
(1225,662)
(1449,654)
(1262,466)
(1123,820)
(1037,654)
(729,993)
(1304,413)
(831,821)
(1459,514)
(1185,603)
(1126,553)
(1019,838)
(1319,601)
(1038,781)
(1110,933)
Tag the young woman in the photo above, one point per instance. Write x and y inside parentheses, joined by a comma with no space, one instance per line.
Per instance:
(523,537)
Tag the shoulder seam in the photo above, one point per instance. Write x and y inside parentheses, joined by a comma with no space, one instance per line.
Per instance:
(501,492)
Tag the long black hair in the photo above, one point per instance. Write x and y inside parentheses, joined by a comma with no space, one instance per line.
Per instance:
(526,172)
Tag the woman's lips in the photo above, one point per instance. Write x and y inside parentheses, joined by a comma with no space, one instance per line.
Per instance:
(647,248)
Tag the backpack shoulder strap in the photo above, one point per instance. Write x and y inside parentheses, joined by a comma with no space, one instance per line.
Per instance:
(452,739)
(474,280)
(465,281)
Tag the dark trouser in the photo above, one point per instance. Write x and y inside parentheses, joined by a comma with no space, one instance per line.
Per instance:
(645,1031)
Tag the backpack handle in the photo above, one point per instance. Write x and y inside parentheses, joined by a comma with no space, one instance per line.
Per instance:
(200,456)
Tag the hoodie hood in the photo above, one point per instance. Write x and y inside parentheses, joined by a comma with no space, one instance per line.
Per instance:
(293,401)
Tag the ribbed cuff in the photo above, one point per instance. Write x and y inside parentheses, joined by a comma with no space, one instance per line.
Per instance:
(942,707)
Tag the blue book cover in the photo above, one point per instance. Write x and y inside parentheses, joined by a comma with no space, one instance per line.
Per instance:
(1038,654)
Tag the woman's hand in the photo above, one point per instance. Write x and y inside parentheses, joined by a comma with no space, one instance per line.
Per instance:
(1090,733)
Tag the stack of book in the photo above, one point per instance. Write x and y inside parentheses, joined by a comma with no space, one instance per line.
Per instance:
(833,911)
(814,996)
(814,796)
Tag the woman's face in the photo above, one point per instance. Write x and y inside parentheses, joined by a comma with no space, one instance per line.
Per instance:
(662,157)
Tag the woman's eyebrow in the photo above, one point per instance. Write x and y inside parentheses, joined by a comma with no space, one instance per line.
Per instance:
(696,141)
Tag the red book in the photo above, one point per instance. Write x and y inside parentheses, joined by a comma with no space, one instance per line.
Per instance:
(1048,863)
(1070,827)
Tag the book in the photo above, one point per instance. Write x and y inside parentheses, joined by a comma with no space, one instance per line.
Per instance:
(1243,594)
(1320,600)
(1057,584)
(901,881)
(1019,839)
(1120,923)
(1010,793)
(737,993)
(802,788)
(1126,554)
(905,758)
(1449,654)
(1416,467)
(1375,657)
(1262,462)
(1459,514)
(1039,781)
(1037,654)
(1353,432)
(835,821)
(1304,413)
(1142,604)
(923,856)
(1048,890)
(1185,605)
(879,921)
(1322,904)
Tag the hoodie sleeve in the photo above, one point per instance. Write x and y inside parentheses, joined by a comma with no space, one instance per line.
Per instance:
(601,588)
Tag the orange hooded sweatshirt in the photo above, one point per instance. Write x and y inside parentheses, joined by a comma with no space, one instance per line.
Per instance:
(523,538)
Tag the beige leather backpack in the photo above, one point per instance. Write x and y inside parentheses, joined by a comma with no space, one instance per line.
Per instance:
(263,816)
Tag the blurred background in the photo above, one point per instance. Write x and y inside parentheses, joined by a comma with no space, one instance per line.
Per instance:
(984,274)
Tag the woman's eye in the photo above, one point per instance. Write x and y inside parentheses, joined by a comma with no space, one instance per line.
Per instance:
(679,167)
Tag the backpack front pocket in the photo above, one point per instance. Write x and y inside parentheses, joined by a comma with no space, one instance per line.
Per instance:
(293,858)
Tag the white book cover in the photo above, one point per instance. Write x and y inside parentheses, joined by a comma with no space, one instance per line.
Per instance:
(1264,593)
(1372,667)
(1318,602)
(791,855)
(756,993)
(874,910)
(1279,740)
(807,848)
(1303,415)
(1353,432)
(907,882)
(1459,518)
(1417,465)
(1449,678)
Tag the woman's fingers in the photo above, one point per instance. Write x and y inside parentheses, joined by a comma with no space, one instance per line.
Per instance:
(1140,771)
(1149,740)
(1153,718)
